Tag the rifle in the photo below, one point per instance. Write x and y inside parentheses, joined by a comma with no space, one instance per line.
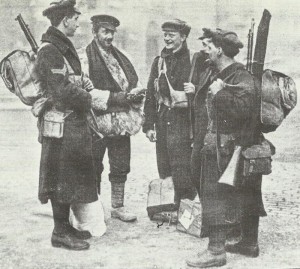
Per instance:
(250,46)
(261,45)
(256,66)
(27,33)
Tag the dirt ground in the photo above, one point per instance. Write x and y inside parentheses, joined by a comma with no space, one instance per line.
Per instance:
(26,225)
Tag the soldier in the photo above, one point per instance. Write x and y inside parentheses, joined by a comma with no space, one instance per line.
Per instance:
(167,121)
(226,103)
(67,174)
(117,104)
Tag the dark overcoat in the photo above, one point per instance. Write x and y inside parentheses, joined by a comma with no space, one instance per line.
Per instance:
(232,112)
(173,146)
(67,171)
(103,79)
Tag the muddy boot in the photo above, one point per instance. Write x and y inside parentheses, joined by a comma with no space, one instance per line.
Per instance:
(215,254)
(248,245)
(117,203)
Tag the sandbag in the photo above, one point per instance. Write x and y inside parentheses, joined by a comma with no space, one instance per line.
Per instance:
(88,217)
(161,196)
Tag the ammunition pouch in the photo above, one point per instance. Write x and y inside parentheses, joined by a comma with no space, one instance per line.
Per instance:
(257,159)
(53,123)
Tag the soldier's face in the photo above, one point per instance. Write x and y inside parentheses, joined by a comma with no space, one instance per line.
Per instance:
(105,37)
(173,40)
(210,49)
(71,25)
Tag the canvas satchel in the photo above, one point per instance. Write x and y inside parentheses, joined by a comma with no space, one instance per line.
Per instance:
(257,159)
(179,99)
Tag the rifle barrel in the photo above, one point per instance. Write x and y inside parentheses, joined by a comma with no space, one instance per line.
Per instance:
(27,33)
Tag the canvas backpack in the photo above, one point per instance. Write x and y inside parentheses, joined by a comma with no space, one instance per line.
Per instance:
(278,96)
(17,70)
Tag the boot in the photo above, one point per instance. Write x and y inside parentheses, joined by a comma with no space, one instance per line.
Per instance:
(64,234)
(84,235)
(215,254)
(248,245)
(117,203)
(68,241)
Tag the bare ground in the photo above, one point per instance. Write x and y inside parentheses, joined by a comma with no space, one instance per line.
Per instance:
(26,225)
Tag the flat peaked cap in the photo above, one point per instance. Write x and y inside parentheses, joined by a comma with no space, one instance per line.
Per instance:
(176,25)
(226,37)
(106,21)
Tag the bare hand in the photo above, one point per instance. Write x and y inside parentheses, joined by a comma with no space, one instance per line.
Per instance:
(151,134)
(87,84)
(136,91)
(216,86)
(189,88)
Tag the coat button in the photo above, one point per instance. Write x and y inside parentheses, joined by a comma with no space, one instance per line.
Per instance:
(169,108)
(168,123)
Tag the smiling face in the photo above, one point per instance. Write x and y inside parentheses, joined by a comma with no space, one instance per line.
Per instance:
(105,37)
(173,40)
(71,24)
(211,50)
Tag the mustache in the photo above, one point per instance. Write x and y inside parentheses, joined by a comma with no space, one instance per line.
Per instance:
(109,40)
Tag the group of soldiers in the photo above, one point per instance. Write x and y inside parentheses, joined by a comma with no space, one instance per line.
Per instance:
(208,104)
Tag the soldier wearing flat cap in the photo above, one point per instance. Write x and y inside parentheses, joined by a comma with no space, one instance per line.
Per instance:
(117,103)
(167,112)
(67,174)
(225,121)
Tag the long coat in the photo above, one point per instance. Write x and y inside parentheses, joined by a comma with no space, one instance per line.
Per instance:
(173,146)
(231,112)
(66,169)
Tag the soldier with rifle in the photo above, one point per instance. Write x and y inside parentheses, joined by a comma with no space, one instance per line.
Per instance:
(224,102)
(67,174)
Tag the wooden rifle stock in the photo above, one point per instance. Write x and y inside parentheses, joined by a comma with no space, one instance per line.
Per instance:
(261,44)
(27,33)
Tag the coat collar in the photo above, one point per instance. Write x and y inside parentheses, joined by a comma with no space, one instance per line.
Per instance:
(229,70)
(58,39)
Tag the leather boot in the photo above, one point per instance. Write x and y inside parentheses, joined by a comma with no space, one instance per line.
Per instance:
(84,235)
(66,240)
(215,255)
(63,234)
(117,202)
(248,245)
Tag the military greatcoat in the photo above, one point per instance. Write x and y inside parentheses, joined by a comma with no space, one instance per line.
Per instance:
(67,171)
(229,116)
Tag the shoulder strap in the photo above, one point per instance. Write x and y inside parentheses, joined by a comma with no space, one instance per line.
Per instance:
(159,66)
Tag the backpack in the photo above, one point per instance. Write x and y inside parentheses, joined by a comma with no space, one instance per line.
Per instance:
(17,72)
(278,96)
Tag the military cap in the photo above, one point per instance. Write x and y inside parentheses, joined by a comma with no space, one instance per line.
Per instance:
(224,37)
(67,5)
(176,25)
(106,21)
